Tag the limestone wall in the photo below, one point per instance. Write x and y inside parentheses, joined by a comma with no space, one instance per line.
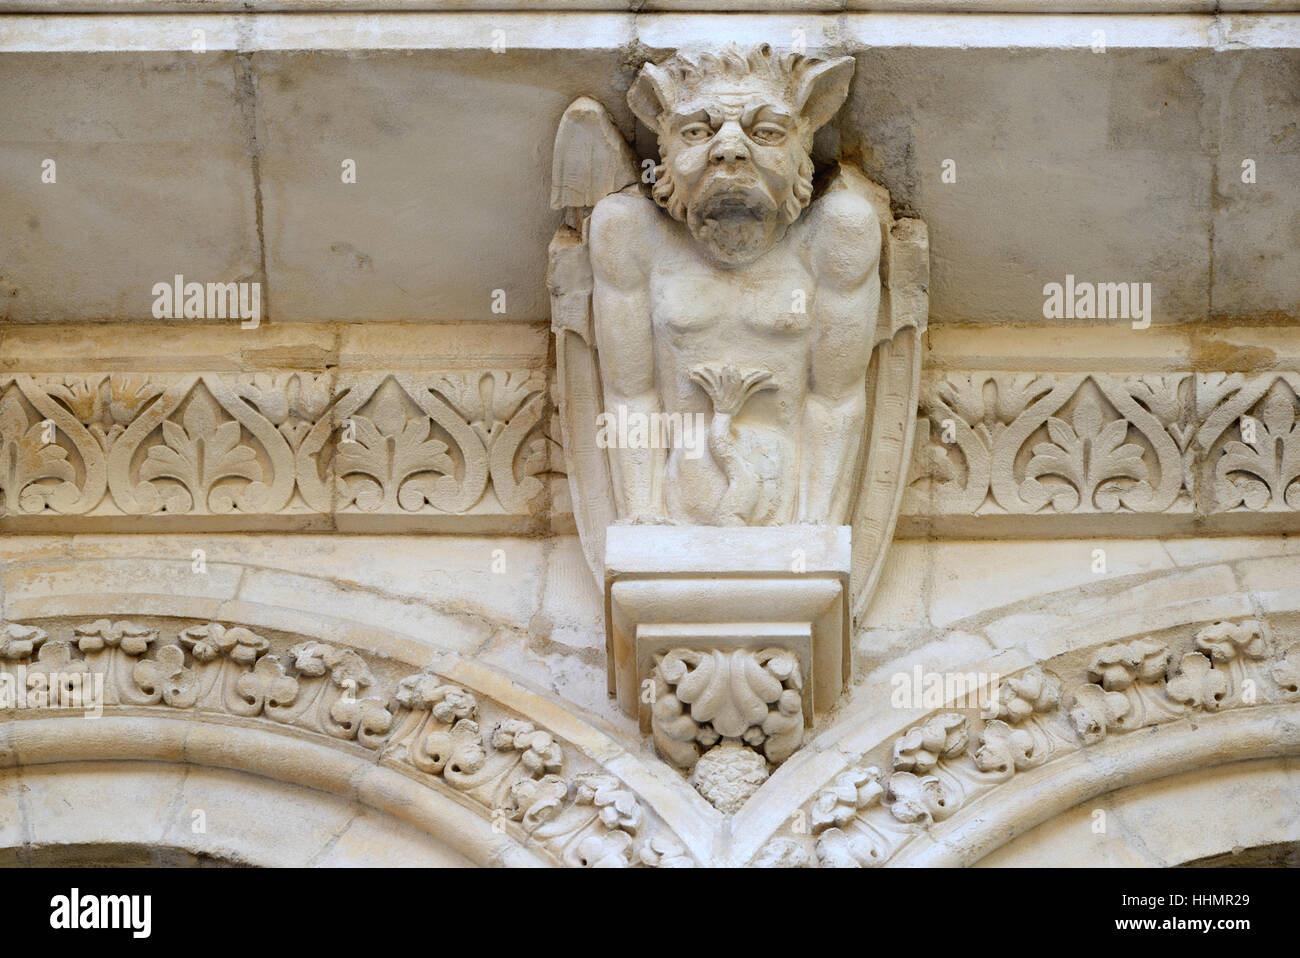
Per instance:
(1100,511)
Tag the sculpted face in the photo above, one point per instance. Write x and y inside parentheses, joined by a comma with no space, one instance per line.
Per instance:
(734,136)
(735,170)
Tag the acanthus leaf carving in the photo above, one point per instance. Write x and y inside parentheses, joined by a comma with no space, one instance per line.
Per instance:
(266,444)
(391,461)
(1207,444)
(1090,456)
(1248,441)
(35,473)
(205,452)
(1054,444)
(296,404)
(506,410)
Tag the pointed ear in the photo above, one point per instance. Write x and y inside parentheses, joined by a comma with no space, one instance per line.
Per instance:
(649,95)
(823,90)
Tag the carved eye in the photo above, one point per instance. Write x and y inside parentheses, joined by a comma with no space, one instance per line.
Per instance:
(696,133)
(768,134)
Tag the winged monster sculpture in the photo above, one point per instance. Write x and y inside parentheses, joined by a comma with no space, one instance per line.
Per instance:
(737,339)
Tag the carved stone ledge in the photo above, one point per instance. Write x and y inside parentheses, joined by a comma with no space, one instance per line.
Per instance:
(1142,453)
(476,450)
(288,449)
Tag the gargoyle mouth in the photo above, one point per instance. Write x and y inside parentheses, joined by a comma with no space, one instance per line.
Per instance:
(735,202)
(730,209)
(736,223)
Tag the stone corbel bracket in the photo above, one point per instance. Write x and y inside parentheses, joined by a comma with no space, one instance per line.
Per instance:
(704,588)
(720,639)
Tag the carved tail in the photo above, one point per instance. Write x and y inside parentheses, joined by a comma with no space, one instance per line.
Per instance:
(728,388)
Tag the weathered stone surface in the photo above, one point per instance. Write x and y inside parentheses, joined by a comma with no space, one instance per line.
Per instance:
(319,579)
(1156,131)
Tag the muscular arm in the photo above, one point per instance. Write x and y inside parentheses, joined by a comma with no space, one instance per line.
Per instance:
(845,260)
(625,340)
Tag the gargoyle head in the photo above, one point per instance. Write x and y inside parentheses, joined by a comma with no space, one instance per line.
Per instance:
(735,135)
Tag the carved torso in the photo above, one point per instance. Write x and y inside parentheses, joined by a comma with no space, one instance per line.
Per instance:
(762,318)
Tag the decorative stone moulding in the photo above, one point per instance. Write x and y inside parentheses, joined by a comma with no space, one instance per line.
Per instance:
(431,728)
(994,450)
(737,346)
(541,784)
(282,449)
(1213,450)
(958,783)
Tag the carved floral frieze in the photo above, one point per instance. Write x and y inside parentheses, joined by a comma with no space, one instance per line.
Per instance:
(1172,444)
(305,447)
(291,444)
(528,781)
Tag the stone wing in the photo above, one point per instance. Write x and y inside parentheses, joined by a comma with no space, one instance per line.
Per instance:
(893,385)
(591,161)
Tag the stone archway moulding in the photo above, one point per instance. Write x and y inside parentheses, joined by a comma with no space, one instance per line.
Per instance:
(1213,742)
(958,782)
(499,773)
(241,796)
(506,775)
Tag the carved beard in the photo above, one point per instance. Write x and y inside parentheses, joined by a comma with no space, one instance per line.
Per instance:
(735,220)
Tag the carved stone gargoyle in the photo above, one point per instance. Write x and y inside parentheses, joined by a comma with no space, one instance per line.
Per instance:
(738,362)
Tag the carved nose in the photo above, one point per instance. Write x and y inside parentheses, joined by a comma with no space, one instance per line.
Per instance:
(729,149)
